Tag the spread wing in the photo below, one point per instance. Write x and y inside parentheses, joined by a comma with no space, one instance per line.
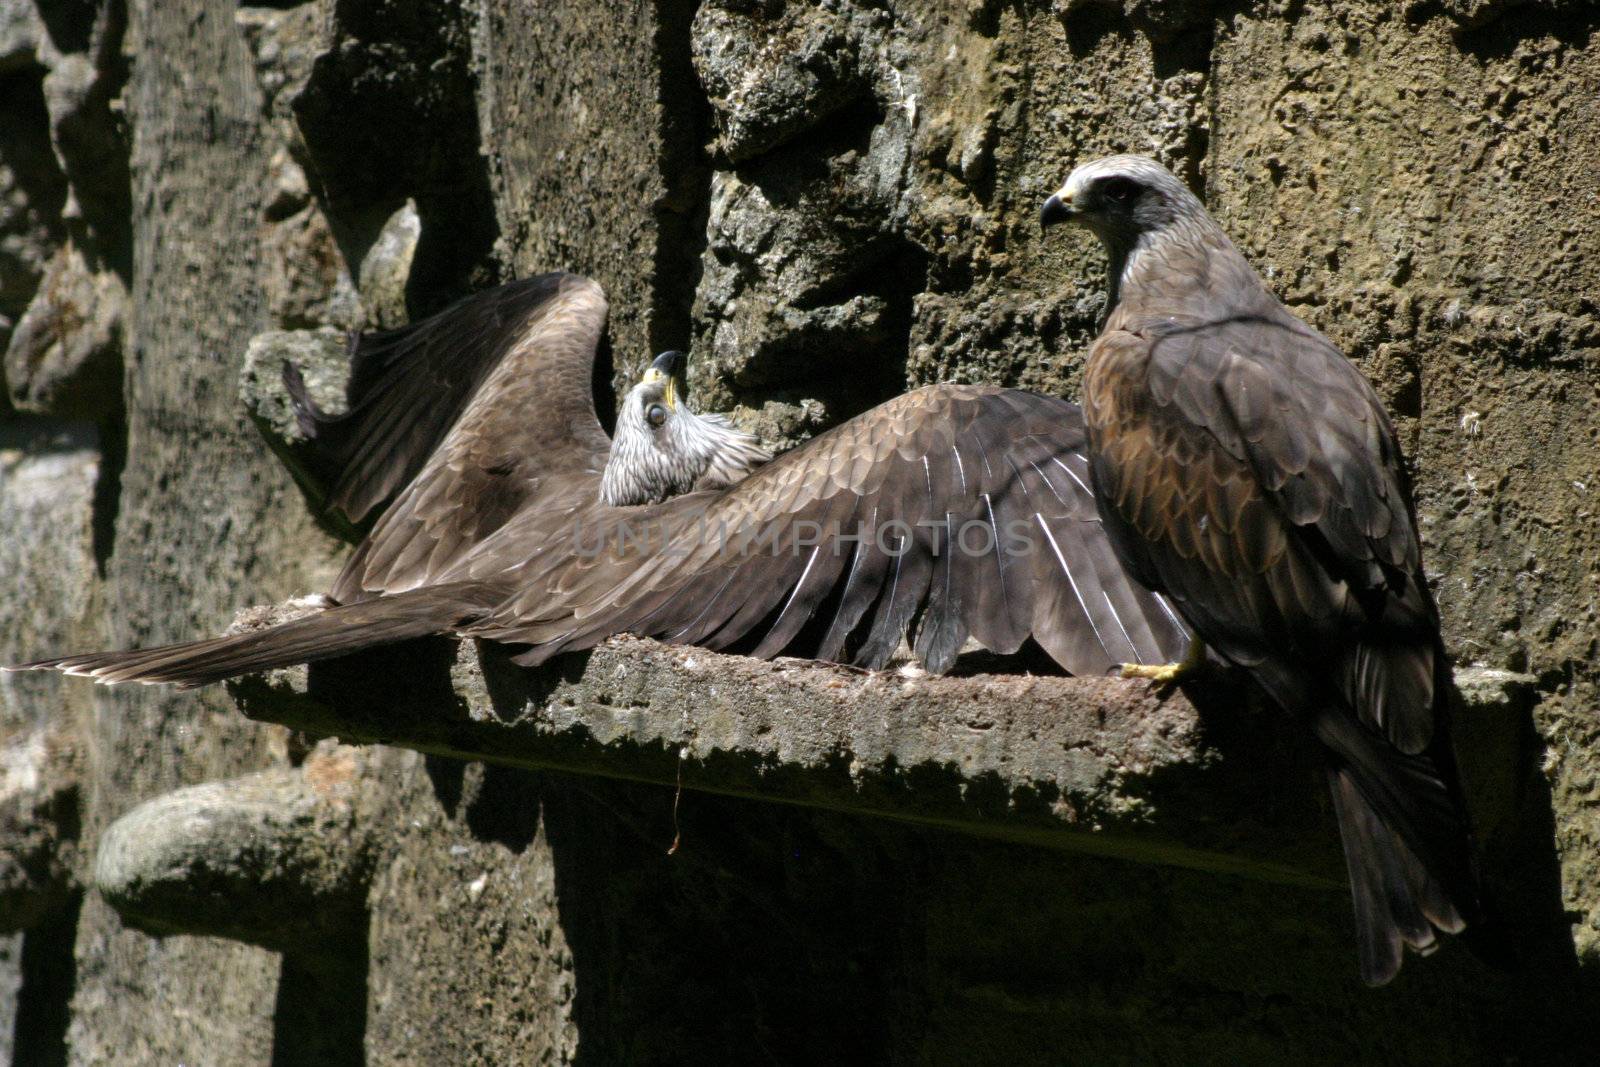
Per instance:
(473,411)
(1257,480)
(953,510)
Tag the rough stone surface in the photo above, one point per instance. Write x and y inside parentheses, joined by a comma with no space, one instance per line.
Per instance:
(322,357)
(593,156)
(196,477)
(38,827)
(65,354)
(50,507)
(386,113)
(386,268)
(307,281)
(88,139)
(1056,772)
(1095,765)
(273,859)
(20,33)
(831,201)
(771,78)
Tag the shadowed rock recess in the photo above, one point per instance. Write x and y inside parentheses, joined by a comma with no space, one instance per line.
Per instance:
(649,854)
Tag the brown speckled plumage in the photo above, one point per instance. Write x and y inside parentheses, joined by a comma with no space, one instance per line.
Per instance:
(498,529)
(1248,470)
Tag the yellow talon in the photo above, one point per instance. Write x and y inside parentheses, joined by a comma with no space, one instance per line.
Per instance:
(1167,675)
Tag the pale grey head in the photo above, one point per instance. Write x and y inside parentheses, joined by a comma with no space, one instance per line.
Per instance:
(1122,197)
(661,448)
(1130,203)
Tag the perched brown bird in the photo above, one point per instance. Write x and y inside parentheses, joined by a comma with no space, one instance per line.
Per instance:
(953,511)
(465,420)
(1246,469)
(487,409)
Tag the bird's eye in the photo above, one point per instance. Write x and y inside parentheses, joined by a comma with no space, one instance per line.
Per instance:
(655,414)
(1119,190)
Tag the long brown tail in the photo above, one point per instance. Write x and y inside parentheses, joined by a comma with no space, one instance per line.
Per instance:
(331,632)
(1408,847)
(1397,902)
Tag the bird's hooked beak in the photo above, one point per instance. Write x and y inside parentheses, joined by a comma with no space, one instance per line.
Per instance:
(1057,209)
(667,366)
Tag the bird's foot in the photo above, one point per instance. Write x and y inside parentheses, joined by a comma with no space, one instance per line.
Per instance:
(1161,674)
(1166,676)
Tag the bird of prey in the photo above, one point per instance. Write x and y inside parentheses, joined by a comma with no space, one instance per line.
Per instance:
(1247,470)
(486,410)
(951,511)
(662,449)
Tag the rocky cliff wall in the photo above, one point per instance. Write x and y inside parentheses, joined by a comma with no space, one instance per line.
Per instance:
(829,202)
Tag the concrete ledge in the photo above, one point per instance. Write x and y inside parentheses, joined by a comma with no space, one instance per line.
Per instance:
(1099,765)
(1208,778)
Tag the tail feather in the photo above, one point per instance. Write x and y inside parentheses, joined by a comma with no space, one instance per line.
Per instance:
(1407,842)
(1397,903)
(334,631)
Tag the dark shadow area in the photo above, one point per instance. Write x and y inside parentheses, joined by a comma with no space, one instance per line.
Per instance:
(1029,659)
(321,1012)
(312,478)
(1509,24)
(681,214)
(1544,1006)
(1554,998)
(390,112)
(25,147)
(771,936)
(44,1003)
(796,934)
(92,143)
(70,23)
(448,776)
(113,440)
(513,689)
(782,935)
(505,806)
(500,803)
(1087,25)
(409,680)
(603,387)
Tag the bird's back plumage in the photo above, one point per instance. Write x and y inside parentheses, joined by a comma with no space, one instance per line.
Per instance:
(1248,470)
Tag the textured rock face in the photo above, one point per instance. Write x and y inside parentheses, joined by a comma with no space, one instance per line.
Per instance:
(830,202)
(65,355)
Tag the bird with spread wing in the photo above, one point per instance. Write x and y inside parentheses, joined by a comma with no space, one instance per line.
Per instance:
(952,511)
(1247,470)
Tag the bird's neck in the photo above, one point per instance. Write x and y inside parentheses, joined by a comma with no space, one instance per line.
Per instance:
(1122,252)
(1186,268)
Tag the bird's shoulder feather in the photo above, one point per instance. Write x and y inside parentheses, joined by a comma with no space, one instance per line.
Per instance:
(1250,471)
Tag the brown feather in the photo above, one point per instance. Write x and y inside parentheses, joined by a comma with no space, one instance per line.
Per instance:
(498,393)
(1245,468)
(941,459)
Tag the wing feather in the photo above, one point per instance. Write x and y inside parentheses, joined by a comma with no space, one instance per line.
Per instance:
(1277,528)
(896,519)
(475,411)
